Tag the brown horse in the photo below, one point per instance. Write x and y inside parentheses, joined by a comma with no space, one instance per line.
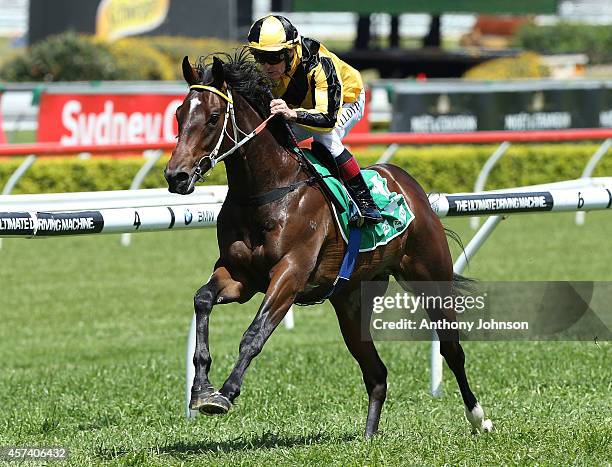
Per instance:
(277,235)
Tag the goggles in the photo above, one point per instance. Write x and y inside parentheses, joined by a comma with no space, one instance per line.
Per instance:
(271,58)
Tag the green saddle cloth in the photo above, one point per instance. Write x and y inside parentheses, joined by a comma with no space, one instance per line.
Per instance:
(397,216)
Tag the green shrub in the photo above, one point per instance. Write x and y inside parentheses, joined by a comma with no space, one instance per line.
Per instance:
(525,65)
(176,47)
(438,168)
(70,174)
(65,57)
(594,41)
(77,57)
(135,59)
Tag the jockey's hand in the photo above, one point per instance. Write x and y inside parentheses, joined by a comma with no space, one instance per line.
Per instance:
(279,106)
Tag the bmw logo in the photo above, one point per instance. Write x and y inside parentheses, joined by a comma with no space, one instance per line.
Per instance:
(188,217)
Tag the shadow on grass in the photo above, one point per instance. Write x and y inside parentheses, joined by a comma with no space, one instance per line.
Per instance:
(266,440)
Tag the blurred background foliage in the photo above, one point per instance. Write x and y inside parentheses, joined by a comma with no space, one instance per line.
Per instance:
(445,168)
(593,40)
(71,56)
(525,65)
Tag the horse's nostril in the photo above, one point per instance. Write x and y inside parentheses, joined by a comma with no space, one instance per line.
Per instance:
(182,177)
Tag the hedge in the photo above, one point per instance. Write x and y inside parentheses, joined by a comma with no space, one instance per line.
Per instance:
(176,47)
(437,168)
(594,41)
(63,57)
(70,56)
(525,65)
(136,59)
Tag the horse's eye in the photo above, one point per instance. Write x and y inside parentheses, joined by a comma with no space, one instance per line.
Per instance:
(214,118)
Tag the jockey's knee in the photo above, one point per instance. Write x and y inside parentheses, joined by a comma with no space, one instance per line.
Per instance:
(331,141)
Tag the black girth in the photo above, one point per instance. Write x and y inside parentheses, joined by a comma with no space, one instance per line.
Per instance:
(270,196)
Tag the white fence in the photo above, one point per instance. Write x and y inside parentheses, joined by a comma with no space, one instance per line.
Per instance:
(86,201)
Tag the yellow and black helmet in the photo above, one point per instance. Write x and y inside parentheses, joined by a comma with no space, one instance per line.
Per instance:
(272,33)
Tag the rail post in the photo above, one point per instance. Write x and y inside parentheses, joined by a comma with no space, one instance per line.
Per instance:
(388,154)
(288,320)
(151,158)
(189,368)
(602,150)
(436,373)
(484,174)
(16,176)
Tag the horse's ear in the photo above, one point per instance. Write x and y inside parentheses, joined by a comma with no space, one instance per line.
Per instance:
(217,73)
(189,73)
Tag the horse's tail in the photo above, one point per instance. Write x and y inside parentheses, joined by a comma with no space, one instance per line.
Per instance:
(461,284)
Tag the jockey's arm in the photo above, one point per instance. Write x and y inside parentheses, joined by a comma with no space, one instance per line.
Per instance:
(327,98)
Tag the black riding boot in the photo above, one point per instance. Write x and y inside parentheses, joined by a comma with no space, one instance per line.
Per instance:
(362,196)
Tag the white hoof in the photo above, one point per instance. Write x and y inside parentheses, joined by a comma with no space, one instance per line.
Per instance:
(476,417)
(487,426)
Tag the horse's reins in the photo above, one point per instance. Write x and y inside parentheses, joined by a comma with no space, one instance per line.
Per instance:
(229,112)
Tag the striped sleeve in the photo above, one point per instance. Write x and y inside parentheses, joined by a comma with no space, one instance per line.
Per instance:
(326,90)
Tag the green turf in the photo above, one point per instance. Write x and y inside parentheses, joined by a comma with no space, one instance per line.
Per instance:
(92,340)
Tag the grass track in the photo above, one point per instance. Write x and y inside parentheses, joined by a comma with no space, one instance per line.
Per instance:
(92,340)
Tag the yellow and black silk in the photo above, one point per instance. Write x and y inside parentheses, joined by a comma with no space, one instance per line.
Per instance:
(317,84)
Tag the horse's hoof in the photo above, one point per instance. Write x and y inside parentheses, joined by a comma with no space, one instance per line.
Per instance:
(215,404)
(487,426)
(477,420)
(199,397)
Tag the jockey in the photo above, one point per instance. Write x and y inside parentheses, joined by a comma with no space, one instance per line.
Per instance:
(320,94)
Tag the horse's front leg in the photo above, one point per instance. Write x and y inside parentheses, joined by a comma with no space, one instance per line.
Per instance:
(220,288)
(283,288)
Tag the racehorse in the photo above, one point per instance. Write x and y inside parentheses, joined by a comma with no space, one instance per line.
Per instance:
(277,235)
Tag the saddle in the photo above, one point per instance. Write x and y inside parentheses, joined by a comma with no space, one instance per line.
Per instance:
(325,158)
(320,152)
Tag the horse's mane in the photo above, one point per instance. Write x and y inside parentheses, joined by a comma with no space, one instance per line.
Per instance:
(244,77)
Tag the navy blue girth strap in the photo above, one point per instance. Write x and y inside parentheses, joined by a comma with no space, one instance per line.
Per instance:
(349,260)
(348,263)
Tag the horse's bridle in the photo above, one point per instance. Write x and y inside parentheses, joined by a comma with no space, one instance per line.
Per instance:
(276,193)
(229,112)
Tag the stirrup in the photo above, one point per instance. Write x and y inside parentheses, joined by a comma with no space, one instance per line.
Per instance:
(373,219)
(368,208)
(357,211)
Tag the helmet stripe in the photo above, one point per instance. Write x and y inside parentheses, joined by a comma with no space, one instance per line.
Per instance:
(255,31)
(272,32)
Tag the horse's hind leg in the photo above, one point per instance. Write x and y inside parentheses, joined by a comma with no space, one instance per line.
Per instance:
(348,310)
(220,288)
(427,269)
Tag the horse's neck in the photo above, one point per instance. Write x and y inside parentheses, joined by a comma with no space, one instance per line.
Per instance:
(262,164)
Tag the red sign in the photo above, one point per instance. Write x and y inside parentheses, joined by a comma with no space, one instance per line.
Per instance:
(82,119)
(363,125)
(2,138)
